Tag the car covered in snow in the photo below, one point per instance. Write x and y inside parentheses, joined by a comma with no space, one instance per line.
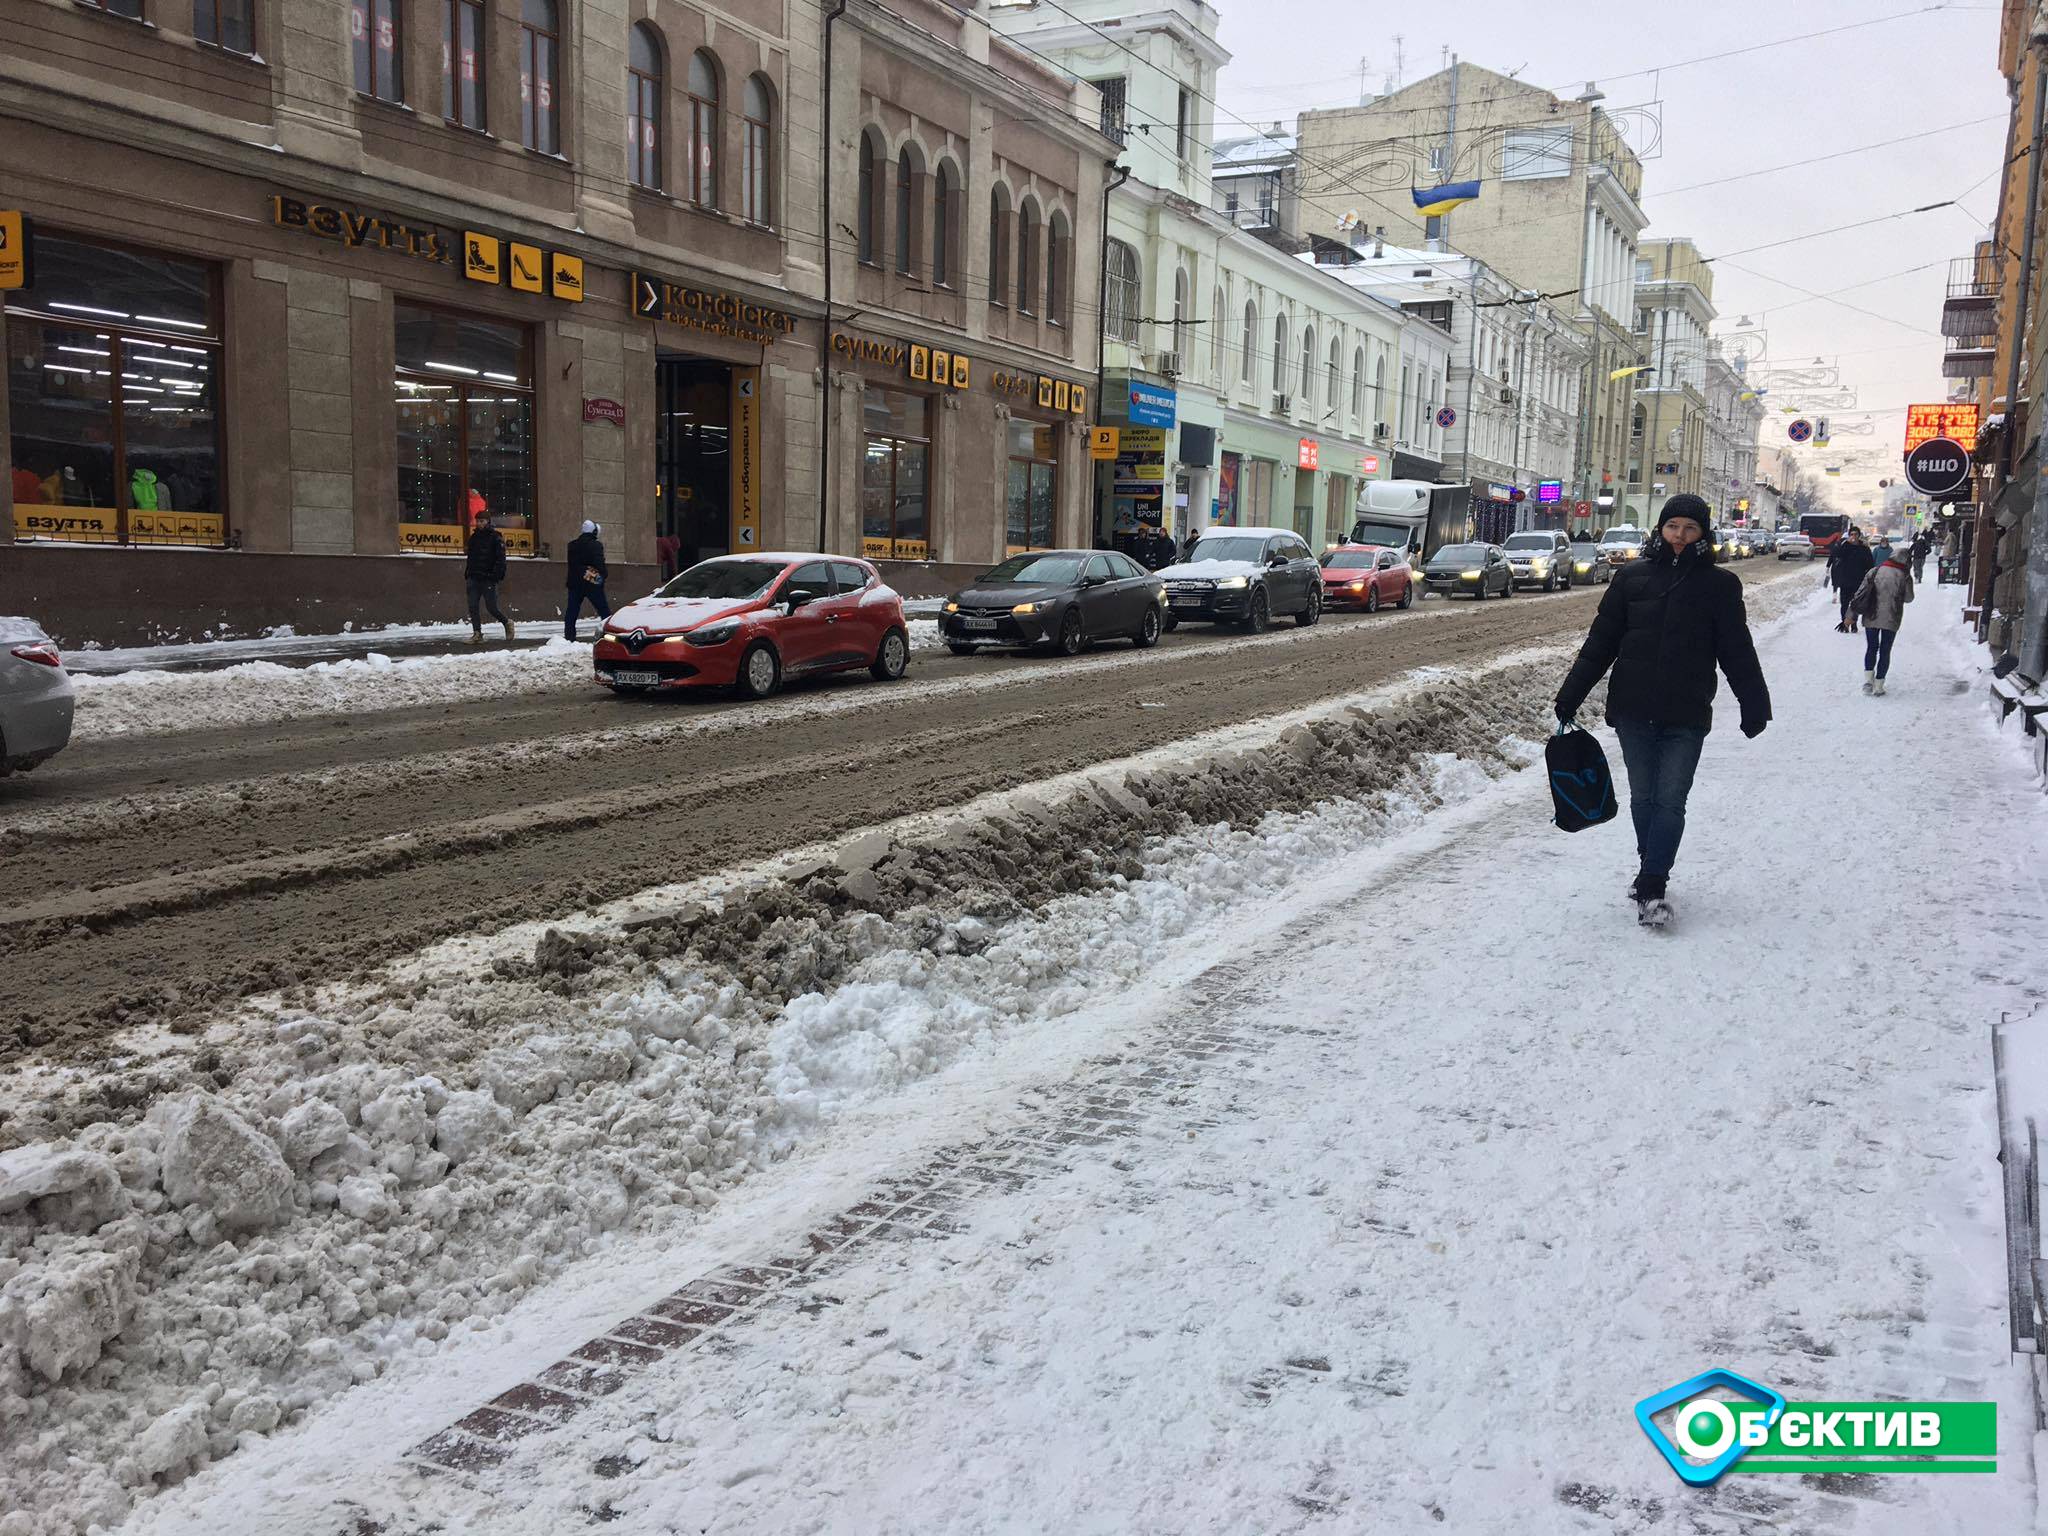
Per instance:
(1064,598)
(1368,577)
(36,696)
(750,622)
(1245,576)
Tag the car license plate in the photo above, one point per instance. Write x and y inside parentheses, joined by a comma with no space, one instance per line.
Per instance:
(1185,600)
(977,623)
(635,677)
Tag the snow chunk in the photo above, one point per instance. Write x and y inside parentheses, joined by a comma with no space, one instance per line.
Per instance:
(216,1160)
(57,1318)
(68,1187)
(363,1198)
(311,1128)
(466,1122)
(172,1441)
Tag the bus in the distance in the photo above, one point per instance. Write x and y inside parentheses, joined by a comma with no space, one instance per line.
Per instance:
(1825,529)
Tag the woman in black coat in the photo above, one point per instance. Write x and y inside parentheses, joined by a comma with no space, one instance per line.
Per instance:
(1847,566)
(1665,625)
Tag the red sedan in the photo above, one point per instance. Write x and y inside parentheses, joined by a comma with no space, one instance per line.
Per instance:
(1366,576)
(748,622)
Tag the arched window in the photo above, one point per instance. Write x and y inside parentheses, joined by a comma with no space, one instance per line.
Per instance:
(703,129)
(998,245)
(907,170)
(1280,353)
(757,158)
(1059,251)
(539,42)
(1217,340)
(1027,258)
(1248,342)
(869,219)
(1379,386)
(1180,311)
(1358,385)
(643,106)
(1123,294)
(1336,395)
(945,209)
(1308,366)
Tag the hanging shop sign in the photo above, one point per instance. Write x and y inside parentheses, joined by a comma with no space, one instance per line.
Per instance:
(482,258)
(721,314)
(1939,467)
(453,539)
(746,459)
(1102,444)
(1369,463)
(1040,390)
(1308,453)
(1152,406)
(1955,420)
(16,235)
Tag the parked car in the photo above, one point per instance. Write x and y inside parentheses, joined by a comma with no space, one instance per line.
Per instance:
(1540,558)
(751,622)
(1367,576)
(1245,576)
(1063,598)
(1479,569)
(1622,544)
(1729,543)
(1794,546)
(36,697)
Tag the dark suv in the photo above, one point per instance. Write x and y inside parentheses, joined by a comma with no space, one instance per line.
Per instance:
(1245,576)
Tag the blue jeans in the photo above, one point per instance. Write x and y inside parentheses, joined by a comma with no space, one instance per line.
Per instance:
(572,607)
(1660,760)
(1877,650)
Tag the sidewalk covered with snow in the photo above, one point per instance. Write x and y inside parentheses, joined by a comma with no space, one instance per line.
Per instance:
(1375,1207)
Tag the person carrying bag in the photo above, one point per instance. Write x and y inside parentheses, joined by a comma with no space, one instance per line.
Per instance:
(586,579)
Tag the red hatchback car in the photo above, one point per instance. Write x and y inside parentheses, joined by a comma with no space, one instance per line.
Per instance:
(747,622)
(1366,576)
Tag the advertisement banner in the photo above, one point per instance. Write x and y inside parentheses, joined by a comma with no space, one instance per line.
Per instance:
(746,459)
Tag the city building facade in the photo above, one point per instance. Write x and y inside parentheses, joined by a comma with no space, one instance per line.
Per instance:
(1674,290)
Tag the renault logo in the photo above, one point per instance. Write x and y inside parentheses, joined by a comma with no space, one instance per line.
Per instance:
(636,641)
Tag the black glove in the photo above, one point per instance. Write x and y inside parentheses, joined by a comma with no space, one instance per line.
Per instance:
(1564,716)
(1754,728)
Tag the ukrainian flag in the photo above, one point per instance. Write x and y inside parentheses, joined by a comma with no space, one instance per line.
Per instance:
(1444,198)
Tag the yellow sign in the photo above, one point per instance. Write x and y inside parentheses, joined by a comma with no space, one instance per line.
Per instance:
(1062,392)
(912,549)
(1144,440)
(527,267)
(746,459)
(876,549)
(452,539)
(1077,399)
(86,525)
(565,277)
(480,259)
(921,363)
(177,528)
(14,238)
(942,366)
(960,371)
(1102,443)
(1045,393)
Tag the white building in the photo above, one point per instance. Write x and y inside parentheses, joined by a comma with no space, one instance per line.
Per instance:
(1246,385)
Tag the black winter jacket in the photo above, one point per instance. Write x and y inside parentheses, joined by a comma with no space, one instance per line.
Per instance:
(1664,625)
(485,558)
(1849,564)
(586,553)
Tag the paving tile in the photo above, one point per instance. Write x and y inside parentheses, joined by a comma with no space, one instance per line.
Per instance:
(616,1352)
(459,1452)
(542,1402)
(689,1310)
(760,1279)
(496,1424)
(655,1332)
(724,1293)
(577,1376)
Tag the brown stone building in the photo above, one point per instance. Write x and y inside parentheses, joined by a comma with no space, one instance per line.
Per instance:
(311,282)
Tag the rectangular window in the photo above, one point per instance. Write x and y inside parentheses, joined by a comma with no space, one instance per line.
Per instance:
(540,122)
(1113,117)
(1533,154)
(1033,488)
(226,24)
(1183,115)
(462,62)
(895,520)
(1433,228)
(113,389)
(379,50)
(465,430)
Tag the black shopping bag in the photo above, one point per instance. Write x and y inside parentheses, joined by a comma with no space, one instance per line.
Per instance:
(1581,788)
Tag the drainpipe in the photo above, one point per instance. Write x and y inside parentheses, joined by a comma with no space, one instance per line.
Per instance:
(1123,174)
(825,249)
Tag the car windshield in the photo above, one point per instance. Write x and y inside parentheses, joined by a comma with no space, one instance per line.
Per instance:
(1460,554)
(1238,547)
(1036,570)
(1350,560)
(1394,535)
(1530,541)
(727,580)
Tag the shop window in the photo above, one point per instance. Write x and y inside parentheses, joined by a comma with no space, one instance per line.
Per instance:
(226,24)
(462,63)
(379,47)
(757,158)
(1033,489)
(113,388)
(465,430)
(643,106)
(703,129)
(540,122)
(895,510)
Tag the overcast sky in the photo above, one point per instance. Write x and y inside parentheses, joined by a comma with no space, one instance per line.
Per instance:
(1784,103)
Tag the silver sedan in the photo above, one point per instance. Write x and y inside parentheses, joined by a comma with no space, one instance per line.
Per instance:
(36,696)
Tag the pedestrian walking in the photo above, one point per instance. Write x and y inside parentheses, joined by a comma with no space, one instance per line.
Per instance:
(1848,564)
(586,578)
(1922,546)
(1882,599)
(482,570)
(1665,623)
(1187,548)
(1157,550)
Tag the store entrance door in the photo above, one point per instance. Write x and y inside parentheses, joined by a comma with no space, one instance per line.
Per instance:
(692,460)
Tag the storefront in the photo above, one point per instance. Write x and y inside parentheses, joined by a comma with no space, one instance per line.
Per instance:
(1135,491)
(465,430)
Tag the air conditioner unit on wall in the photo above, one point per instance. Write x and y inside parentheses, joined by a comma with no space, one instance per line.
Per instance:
(1169,363)
(1381,431)
(1283,405)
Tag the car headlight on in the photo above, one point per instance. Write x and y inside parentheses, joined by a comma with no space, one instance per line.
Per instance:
(1233,583)
(713,634)
(951,606)
(1582,566)
(1026,610)
(1470,575)
(1358,586)
(1539,566)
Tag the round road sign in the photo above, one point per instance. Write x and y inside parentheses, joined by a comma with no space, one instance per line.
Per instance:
(1938,467)
(1582,509)
(1800,430)
(1447,417)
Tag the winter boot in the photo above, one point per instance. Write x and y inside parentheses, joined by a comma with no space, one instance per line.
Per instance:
(476,637)
(1877,687)
(1870,682)
(508,629)
(1656,913)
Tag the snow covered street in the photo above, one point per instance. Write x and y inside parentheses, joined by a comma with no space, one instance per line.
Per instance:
(1372,1196)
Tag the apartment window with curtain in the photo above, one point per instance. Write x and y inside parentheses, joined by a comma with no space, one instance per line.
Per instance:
(229,24)
(1308,367)
(945,200)
(703,129)
(643,106)
(462,62)
(1122,294)
(540,123)
(376,39)
(1027,258)
(757,160)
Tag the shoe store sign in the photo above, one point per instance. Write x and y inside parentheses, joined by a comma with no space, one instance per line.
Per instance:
(483,258)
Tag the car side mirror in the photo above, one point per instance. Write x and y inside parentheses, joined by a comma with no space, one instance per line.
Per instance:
(1274,562)
(1093,581)
(796,600)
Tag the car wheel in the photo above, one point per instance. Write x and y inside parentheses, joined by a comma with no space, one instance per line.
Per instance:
(1313,610)
(961,648)
(1259,613)
(1407,595)
(1069,640)
(892,657)
(1148,632)
(1550,584)
(760,671)
(1372,599)
(1507,588)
